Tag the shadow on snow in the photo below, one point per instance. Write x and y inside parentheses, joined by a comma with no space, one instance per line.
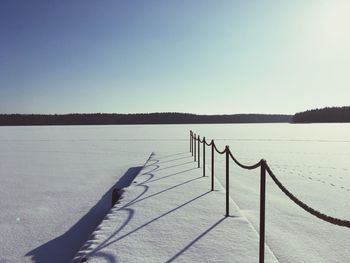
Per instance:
(64,247)
(153,164)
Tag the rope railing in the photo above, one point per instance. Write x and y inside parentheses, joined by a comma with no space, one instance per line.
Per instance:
(208,144)
(218,151)
(324,217)
(195,150)
(248,167)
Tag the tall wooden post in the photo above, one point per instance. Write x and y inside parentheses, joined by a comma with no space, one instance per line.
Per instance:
(227,181)
(212,165)
(195,143)
(191,142)
(262,211)
(203,156)
(199,152)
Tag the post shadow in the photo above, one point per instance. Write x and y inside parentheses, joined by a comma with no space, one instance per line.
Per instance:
(173,258)
(110,240)
(64,248)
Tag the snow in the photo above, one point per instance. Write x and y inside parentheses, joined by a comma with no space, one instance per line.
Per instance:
(169,214)
(55,188)
(55,183)
(312,161)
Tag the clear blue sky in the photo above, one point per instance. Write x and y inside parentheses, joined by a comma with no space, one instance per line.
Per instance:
(201,56)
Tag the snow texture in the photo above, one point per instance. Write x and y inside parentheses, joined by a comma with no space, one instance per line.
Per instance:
(56,183)
(312,161)
(169,214)
(55,187)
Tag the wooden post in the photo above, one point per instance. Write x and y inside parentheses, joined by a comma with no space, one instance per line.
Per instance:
(115,196)
(227,181)
(212,165)
(199,153)
(262,211)
(195,143)
(203,156)
(191,142)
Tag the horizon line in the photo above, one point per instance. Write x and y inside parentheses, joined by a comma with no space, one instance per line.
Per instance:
(156,112)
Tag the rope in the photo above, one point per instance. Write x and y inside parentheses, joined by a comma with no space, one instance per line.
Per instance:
(205,141)
(209,143)
(329,219)
(324,217)
(217,150)
(249,167)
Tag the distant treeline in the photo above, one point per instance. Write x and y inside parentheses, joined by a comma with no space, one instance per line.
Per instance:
(145,118)
(333,114)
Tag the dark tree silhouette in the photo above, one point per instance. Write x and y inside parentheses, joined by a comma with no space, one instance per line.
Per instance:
(329,114)
(142,118)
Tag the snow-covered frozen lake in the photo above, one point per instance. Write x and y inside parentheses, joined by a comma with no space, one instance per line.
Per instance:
(313,162)
(55,183)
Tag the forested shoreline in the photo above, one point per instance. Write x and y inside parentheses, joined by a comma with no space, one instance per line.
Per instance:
(324,115)
(329,114)
(144,118)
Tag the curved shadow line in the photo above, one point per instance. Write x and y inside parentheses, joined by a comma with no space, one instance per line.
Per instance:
(130,211)
(165,190)
(170,175)
(72,240)
(155,161)
(142,184)
(130,215)
(146,187)
(171,155)
(151,175)
(151,171)
(154,219)
(176,165)
(173,160)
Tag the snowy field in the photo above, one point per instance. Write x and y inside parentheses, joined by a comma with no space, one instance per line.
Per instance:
(313,162)
(55,183)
